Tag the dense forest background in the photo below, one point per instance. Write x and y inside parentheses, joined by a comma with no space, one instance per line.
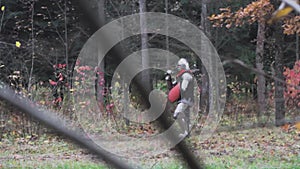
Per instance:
(40,42)
(257,42)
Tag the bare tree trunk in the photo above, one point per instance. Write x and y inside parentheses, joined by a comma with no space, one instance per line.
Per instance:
(279,87)
(100,88)
(66,42)
(144,45)
(297,47)
(204,21)
(167,37)
(32,49)
(261,81)
(277,48)
(101,10)
(204,95)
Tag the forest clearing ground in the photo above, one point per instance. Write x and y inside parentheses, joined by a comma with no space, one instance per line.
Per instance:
(250,148)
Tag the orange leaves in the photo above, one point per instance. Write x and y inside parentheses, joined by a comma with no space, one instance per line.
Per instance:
(297,125)
(256,11)
(220,19)
(292,25)
(285,127)
(292,128)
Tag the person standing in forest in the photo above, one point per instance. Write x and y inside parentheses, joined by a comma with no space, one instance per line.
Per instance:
(185,86)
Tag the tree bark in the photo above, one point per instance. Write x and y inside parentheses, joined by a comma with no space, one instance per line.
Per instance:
(204,95)
(167,37)
(144,45)
(297,47)
(66,43)
(100,77)
(277,46)
(32,48)
(279,87)
(101,10)
(205,24)
(261,81)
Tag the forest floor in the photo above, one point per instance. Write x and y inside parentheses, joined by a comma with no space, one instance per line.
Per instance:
(267,147)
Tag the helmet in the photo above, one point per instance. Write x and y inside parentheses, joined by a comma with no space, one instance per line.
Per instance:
(183,64)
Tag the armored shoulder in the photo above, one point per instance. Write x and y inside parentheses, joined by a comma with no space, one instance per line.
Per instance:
(187,76)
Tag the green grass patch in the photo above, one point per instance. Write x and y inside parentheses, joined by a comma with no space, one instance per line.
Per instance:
(252,148)
(52,165)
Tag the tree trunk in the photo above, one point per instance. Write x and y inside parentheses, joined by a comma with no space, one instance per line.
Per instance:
(167,37)
(278,45)
(279,87)
(205,24)
(276,50)
(101,10)
(32,49)
(100,77)
(204,95)
(297,47)
(261,81)
(66,44)
(144,45)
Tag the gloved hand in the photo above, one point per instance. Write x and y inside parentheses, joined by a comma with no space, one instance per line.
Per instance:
(168,76)
(175,115)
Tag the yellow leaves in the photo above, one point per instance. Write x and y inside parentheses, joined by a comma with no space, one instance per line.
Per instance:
(282,11)
(117,85)
(18,44)
(42,102)
(279,14)
(2,8)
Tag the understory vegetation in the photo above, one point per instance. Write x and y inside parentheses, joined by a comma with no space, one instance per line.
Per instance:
(256,43)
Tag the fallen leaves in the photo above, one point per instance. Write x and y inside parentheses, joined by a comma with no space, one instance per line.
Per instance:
(252,145)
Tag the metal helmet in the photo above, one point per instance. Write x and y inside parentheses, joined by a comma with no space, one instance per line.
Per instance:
(183,64)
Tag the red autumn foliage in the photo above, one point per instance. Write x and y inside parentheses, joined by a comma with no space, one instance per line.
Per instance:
(53,83)
(60,66)
(292,93)
(60,83)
